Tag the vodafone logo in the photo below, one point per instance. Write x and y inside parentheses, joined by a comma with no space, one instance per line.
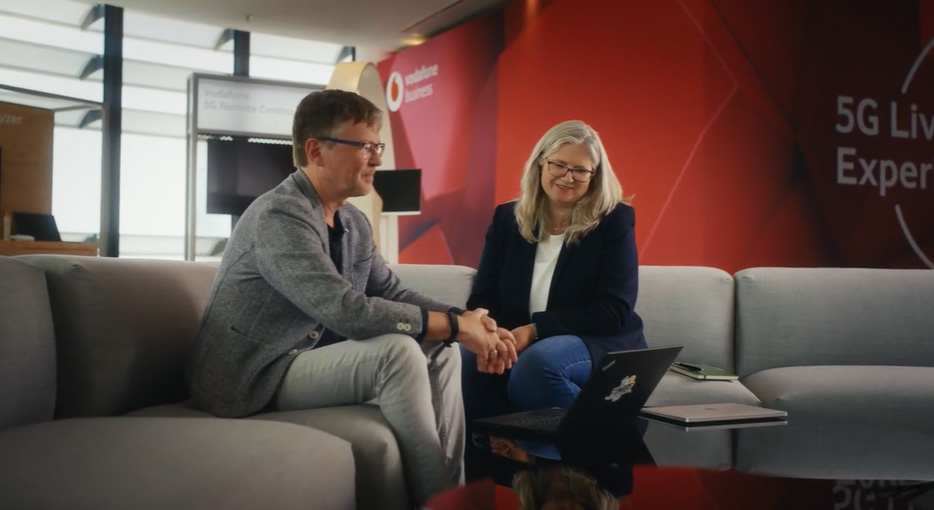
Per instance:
(395,91)
(414,86)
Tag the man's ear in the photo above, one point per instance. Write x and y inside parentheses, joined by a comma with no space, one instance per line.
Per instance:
(313,152)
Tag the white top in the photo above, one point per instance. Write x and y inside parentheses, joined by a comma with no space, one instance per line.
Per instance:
(546,258)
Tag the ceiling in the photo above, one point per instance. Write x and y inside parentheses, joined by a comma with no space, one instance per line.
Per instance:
(375,24)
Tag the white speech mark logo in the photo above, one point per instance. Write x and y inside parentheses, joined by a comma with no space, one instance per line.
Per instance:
(395,91)
(625,387)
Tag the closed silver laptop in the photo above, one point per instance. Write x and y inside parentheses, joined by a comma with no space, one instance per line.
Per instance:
(714,413)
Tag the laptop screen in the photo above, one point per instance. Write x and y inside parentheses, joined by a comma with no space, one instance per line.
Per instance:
(620,387)
(41,227)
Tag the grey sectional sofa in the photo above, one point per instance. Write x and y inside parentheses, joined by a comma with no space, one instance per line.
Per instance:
(849,353)
(121,330)
(95,407)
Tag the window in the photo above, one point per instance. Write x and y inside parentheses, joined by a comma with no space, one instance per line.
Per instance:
(44,48)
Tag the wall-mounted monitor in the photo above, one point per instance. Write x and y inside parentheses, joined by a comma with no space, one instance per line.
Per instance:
(400,190)
(240,170)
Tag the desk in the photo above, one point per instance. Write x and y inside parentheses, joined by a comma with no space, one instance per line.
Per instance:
(11,248)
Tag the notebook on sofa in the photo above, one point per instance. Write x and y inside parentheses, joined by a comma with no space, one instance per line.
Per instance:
(702,371)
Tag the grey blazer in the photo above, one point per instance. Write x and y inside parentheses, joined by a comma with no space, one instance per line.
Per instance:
(277,289)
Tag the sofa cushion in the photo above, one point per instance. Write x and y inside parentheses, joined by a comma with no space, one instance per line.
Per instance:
(27,346)
(447,283)
(178,463)
(123,328)
(689,306)
(184,409)
(676,389)
(833,316)
(379,474)
(876,394)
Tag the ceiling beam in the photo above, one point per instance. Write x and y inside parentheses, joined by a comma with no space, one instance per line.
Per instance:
(226,36)
(89,117)
(94,64)
(346,51)
(94,14)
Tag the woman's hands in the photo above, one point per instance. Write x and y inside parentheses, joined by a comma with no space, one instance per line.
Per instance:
(494,356)
(524,336)
(496,364)
(519,338)
(495,347)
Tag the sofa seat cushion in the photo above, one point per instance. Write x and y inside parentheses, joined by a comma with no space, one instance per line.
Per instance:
(27,346)
(379,473)
(178,463)
(449,284)
(381,478)
(689,306)
(124,329)
(676,389)
(878,394)
(800,316)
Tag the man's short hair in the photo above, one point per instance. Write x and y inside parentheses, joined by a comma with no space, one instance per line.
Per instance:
(323,112)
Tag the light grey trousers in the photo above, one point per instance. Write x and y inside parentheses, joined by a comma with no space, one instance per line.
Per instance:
(417,387)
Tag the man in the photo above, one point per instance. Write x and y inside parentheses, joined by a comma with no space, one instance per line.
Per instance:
(301,274)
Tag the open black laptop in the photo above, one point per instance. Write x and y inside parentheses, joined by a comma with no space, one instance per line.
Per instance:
(611,398)
(41,227)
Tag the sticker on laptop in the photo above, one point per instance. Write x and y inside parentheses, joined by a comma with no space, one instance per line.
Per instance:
(625,386)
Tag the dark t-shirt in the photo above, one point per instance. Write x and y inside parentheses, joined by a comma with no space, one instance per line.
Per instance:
(335,235)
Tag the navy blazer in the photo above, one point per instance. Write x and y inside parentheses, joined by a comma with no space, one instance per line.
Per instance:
(593,290)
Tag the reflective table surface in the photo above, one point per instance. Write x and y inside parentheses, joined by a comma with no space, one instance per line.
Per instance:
(864,462)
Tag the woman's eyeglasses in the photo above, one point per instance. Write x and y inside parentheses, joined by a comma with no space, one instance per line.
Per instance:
(560,170)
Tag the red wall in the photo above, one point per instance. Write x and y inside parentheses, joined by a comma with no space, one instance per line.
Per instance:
(723,119)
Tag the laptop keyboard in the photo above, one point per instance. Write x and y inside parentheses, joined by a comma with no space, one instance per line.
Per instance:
(547,422)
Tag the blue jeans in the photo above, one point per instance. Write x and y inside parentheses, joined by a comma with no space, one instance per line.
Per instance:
(549,373)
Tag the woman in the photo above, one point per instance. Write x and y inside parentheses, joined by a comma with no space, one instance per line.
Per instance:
(560,270)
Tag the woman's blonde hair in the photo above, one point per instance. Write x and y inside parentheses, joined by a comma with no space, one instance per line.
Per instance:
(603,194)
(531,488)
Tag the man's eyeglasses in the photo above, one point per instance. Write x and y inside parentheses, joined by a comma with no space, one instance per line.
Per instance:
(367,149)
(560,170)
